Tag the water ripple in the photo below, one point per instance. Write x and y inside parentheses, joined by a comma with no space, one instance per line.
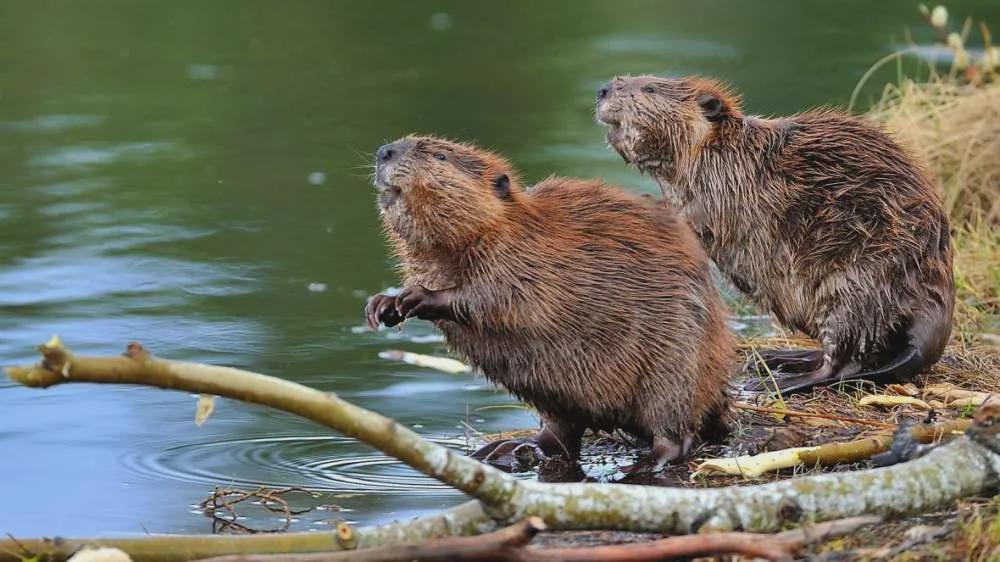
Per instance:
(319,463)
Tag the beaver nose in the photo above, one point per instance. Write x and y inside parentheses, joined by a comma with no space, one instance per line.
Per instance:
(602,92)
(385,152)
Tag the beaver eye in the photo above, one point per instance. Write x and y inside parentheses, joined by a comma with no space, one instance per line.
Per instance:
(439,155)
(648,89)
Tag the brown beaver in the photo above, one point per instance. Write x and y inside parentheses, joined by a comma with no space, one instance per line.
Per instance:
(592,305)
(819,218)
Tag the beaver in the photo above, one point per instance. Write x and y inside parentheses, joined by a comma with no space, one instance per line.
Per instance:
(593,305)
(819,218)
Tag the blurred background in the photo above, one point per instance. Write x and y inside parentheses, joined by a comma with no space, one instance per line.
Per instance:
(192,175)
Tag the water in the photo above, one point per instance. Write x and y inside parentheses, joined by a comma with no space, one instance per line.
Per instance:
(192,176)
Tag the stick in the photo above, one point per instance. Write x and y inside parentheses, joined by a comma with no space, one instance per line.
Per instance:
(916,486)
(508,545)
(796,413)
(498,545)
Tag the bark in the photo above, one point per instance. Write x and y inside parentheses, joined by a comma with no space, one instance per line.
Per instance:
(970,468)
(498,545)
(465,519)
(508,545)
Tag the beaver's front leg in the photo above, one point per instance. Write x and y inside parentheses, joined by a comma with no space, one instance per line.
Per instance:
(423,303)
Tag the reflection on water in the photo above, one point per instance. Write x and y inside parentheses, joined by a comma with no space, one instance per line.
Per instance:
(193,176)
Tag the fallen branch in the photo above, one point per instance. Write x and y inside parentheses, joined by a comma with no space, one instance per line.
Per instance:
(916,486)
(465,519)
(498,545)
(509,545)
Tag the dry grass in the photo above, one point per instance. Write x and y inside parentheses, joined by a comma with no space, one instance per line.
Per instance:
(955,129)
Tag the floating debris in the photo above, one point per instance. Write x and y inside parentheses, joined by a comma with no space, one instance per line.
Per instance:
(444,364)
(206,405)
(441,21)
(317,178)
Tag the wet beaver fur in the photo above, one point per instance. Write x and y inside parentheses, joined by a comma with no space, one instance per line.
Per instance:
(592,305)
(819,218)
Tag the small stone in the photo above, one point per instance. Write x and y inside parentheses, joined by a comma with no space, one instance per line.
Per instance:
(100,555)
(317,178)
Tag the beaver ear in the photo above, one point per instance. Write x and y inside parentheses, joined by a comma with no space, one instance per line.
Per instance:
(712,107)
(501,185)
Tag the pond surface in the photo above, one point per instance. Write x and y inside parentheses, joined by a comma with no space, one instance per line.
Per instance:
(193,176)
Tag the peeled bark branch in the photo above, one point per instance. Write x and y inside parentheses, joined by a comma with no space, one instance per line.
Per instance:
(827,454)
(967,466)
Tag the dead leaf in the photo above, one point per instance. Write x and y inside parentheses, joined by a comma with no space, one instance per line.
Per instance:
(893,400)
(206,405)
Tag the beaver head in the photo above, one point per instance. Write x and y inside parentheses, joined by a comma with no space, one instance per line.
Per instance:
(656,123)
(434,193)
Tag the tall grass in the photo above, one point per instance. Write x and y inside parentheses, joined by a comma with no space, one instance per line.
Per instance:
(955,129)
(952,122)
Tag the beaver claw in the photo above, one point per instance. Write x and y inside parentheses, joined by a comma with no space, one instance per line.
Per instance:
(382,309)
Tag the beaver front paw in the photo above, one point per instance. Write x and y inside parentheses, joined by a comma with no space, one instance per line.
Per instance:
(419,302)
(382,309)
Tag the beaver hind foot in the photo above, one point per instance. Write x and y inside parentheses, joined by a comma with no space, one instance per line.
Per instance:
(789,360)
(906,363)
(556,439)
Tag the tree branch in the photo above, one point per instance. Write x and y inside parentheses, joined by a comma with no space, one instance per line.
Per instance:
(498,545)
(509,545)
(967,466)
(465,519)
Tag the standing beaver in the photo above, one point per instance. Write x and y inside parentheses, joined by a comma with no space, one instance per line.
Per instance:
(592,305)
(819,218)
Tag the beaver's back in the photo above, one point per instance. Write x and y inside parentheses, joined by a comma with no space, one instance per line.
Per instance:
(607,311)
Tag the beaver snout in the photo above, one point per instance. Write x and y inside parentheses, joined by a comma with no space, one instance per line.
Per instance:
(392,151)
(386,158)
(385,153)
(608,103)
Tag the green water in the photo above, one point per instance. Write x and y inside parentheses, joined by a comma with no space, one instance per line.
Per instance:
(180,173)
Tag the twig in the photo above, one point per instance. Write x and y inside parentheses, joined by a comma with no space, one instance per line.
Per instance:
(800,414)
(502,545)
(227,498)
